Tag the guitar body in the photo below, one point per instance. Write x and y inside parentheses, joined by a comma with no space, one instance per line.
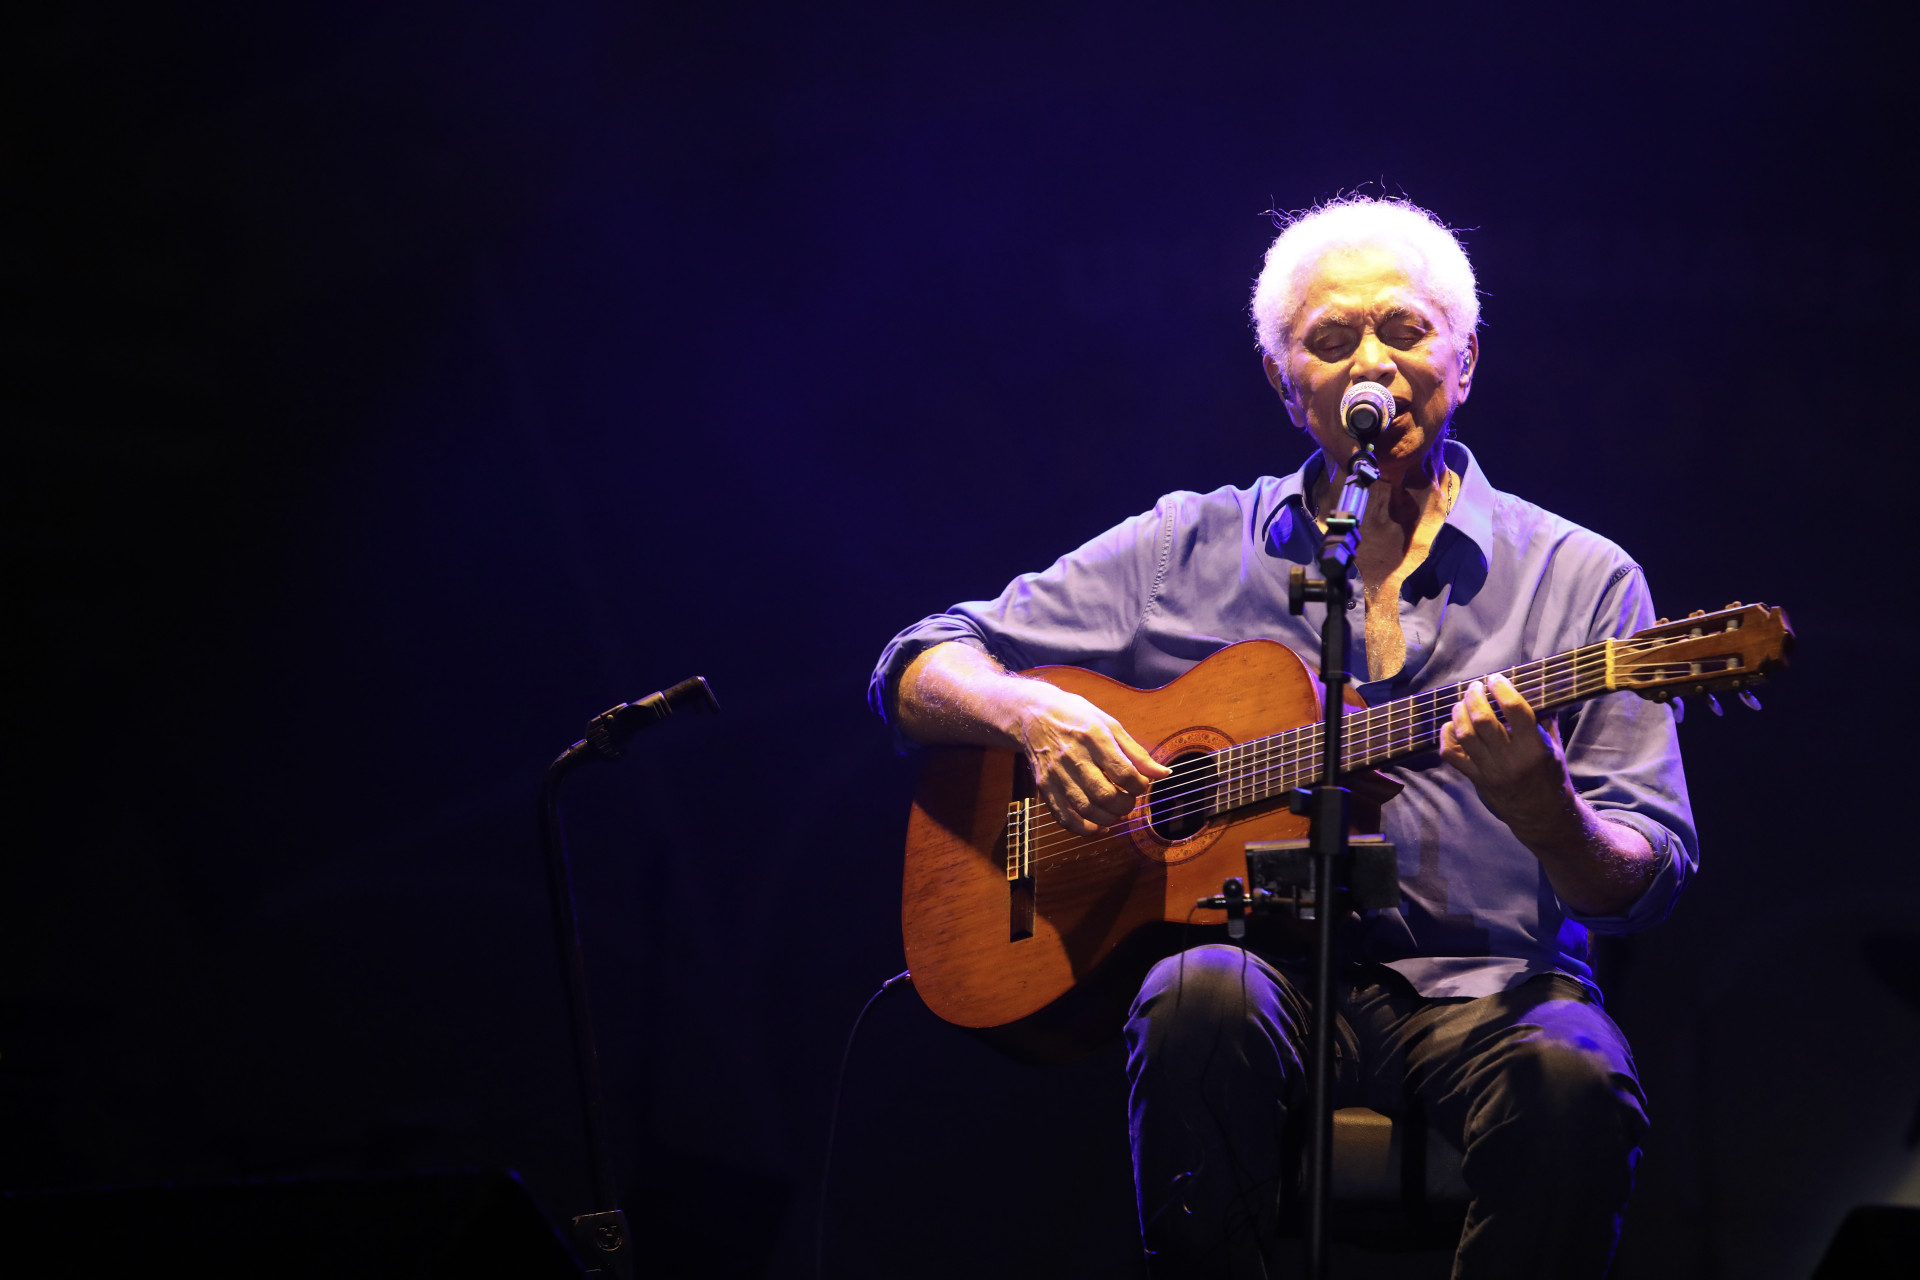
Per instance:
(1050,976)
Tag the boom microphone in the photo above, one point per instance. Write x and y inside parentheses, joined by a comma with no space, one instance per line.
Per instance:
(1365,410)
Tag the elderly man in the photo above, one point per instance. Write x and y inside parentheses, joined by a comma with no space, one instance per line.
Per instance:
(1473,1002)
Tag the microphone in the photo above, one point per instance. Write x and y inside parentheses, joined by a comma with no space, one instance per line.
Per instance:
(691,694)
(615,725)
(1365,411)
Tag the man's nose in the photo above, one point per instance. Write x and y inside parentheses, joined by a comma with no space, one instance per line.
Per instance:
(1372,361)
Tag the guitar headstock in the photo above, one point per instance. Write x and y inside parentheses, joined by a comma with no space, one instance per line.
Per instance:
(1731,648)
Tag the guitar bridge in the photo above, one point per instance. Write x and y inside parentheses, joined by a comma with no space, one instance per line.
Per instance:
(1020,869)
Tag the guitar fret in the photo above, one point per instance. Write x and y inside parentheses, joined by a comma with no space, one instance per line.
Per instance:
(1019,840)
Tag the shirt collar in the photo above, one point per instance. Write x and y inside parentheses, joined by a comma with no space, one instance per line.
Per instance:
(1290,532)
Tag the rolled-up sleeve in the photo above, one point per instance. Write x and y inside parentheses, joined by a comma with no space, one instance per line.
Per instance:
(1623,755)
(1082,611)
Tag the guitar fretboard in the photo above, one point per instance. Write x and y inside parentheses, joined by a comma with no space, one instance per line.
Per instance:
(1262,768)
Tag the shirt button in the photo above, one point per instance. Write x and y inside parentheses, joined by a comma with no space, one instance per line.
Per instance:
(1353,602)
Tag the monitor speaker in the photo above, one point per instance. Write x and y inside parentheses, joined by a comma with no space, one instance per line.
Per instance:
(1875,1242)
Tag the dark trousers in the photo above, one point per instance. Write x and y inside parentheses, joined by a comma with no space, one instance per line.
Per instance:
(1536,1085)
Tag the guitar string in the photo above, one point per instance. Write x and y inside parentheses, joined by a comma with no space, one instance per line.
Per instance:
(1052,842)
(1297,744)
(1303,753)
(1388,721)
(1298,765)
(1059,843)
(1562,672)
(1385,725)
(1285,751)
(1302,745)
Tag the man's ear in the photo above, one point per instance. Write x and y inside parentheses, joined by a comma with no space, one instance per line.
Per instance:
(1283,388)
(1277,379)
(1276,376)
(1469,364)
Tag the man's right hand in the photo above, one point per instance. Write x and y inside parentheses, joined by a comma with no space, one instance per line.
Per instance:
(1087,767)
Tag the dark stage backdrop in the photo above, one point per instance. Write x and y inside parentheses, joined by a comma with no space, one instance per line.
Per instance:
(390,387)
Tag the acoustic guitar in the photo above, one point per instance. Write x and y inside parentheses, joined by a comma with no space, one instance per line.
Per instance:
(1037,938)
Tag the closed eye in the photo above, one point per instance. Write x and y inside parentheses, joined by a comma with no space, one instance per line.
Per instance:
(1333,342)
(1403,334)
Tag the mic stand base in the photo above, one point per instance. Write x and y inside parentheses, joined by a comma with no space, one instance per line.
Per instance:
(602,1243)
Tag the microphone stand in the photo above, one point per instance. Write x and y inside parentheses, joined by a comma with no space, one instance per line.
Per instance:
(600,1237)
(1327,806)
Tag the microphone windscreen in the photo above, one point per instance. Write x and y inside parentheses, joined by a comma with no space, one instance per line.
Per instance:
(691,694)
(1365,410)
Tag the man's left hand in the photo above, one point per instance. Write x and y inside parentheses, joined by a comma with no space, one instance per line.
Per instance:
(1520,770)
(1518,767)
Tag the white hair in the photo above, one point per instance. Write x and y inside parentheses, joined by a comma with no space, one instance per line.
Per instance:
(1431,253)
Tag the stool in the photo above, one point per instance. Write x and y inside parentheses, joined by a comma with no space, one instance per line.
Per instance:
(1396,1184)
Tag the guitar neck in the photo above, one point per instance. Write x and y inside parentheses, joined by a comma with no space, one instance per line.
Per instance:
(1266,767)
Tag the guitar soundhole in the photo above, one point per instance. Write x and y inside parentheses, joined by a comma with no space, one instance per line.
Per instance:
(1179,806)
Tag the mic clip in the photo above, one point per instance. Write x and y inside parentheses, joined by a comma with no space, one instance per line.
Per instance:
(1234,899)
(600,734)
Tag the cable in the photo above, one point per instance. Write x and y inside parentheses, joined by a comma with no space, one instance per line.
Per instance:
(833,1123)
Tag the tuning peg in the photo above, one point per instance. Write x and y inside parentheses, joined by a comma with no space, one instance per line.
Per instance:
(1713,705)
(1679,710)
(1752,703)
(1698,613)
(1661,622)
(1734,605)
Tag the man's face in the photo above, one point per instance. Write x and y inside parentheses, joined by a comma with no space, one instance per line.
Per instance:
(1365,318)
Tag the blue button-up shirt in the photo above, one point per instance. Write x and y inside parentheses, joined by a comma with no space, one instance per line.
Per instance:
(1504,583)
